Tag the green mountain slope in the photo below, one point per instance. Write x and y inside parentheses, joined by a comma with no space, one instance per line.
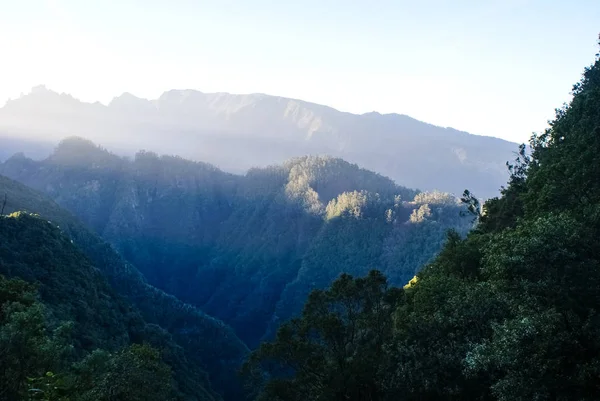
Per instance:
(80,303)
(35,251)
(207,343)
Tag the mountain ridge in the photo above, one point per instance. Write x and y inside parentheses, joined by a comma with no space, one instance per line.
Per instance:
(116,101)
(238,132)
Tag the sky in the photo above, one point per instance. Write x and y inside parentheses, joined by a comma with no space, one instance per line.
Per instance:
(489,67)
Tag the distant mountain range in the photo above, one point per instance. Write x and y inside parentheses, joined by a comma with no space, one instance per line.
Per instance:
(237,132)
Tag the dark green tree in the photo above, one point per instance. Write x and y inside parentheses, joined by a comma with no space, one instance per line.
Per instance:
(135,373)
(335,350)
(27,347)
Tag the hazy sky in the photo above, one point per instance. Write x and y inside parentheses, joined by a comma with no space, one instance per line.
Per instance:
(488,67)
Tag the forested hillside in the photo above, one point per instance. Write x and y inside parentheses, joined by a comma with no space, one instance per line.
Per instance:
(511,312)
(245,249)
(107,304)
(507,311)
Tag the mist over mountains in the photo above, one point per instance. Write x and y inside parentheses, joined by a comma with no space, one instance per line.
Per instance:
(245,249)
(238,132)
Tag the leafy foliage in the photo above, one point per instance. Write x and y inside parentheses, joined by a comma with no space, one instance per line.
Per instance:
(334,350)
(111,307)
(135,373)
(30,350)
(27,347)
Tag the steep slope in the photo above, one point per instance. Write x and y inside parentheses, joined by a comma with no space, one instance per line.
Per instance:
(81,305)
(35,251)
(246,249)
(208,344)
(238,132)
